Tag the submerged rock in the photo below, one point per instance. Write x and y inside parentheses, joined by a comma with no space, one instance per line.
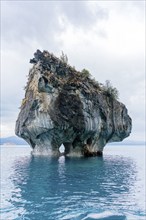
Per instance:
(64,106)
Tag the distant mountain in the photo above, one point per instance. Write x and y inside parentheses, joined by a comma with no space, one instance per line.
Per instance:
(13,140)
(128,142)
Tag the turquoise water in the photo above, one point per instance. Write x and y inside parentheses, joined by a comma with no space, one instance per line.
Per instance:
(42,188)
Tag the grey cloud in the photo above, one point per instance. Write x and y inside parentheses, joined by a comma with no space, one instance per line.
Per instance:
(139,4)
(32,20)
(24,21)
(79,14)
(136,7)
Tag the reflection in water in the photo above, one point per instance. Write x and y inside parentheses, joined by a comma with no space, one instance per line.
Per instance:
(76,188)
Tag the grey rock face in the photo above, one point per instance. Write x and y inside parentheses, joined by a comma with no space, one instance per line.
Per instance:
(62,106)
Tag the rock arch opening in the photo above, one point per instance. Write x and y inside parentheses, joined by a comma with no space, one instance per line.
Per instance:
(62,149)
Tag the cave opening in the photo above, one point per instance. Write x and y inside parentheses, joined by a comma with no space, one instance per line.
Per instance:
(62,149)
(89,141)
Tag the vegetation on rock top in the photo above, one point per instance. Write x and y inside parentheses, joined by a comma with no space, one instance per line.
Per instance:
(60,74)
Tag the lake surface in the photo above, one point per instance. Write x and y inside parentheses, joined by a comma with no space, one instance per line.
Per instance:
(42,188)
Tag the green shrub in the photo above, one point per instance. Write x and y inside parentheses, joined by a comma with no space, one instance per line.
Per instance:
(85,73)
(24,101)
(95,83)
(64,58)
(110,90)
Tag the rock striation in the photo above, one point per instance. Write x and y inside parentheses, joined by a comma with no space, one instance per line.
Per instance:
(65,106)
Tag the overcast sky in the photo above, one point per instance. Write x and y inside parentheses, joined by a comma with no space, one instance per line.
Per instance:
(105,37)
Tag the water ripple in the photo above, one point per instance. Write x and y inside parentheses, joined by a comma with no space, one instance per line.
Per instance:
(41,188)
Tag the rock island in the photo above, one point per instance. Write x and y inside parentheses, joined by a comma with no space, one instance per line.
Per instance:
(65,106)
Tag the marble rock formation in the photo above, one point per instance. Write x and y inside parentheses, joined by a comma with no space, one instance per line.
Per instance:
(64,106)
